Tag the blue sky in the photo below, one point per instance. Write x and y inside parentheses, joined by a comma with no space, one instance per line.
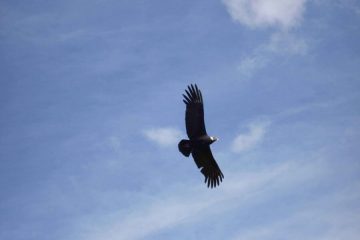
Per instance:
(91,113)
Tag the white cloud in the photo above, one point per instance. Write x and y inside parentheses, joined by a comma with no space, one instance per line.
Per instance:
(280,14)
(250,139)
(164,136)
(285,42)
(258,13)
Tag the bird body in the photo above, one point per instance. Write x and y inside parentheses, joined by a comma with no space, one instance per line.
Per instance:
(199,141)
(185,146)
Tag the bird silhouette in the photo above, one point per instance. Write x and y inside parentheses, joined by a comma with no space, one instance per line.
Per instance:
(198,144)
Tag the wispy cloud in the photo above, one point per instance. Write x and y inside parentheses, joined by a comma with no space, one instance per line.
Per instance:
(279,43)
(283,16)
(279,13)
(181,206)
(163,136)
(248,140)
(184,204)
(249,65)
(311,106)
(285,42)
(330,210)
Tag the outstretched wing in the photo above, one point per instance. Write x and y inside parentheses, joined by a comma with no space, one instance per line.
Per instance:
(194,117)
(205,160)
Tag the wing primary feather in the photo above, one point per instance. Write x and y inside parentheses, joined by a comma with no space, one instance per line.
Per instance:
(198,92)
(185,102)
(192,93)
(189,95)
(193,90)
(186,98)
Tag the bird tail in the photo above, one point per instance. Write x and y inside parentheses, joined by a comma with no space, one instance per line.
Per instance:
(185,147)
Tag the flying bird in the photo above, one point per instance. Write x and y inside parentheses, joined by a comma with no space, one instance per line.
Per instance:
(199,141)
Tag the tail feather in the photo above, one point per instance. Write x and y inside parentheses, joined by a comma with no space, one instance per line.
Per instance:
(185,147)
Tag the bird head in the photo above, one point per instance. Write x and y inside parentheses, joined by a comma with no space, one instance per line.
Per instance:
(213,139)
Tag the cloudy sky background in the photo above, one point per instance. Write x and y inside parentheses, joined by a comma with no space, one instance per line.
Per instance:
(91,113)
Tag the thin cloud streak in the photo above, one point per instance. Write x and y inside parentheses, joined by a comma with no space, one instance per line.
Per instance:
(184,204)
(330,210)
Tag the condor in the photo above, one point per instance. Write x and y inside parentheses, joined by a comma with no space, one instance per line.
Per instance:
(199,141)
